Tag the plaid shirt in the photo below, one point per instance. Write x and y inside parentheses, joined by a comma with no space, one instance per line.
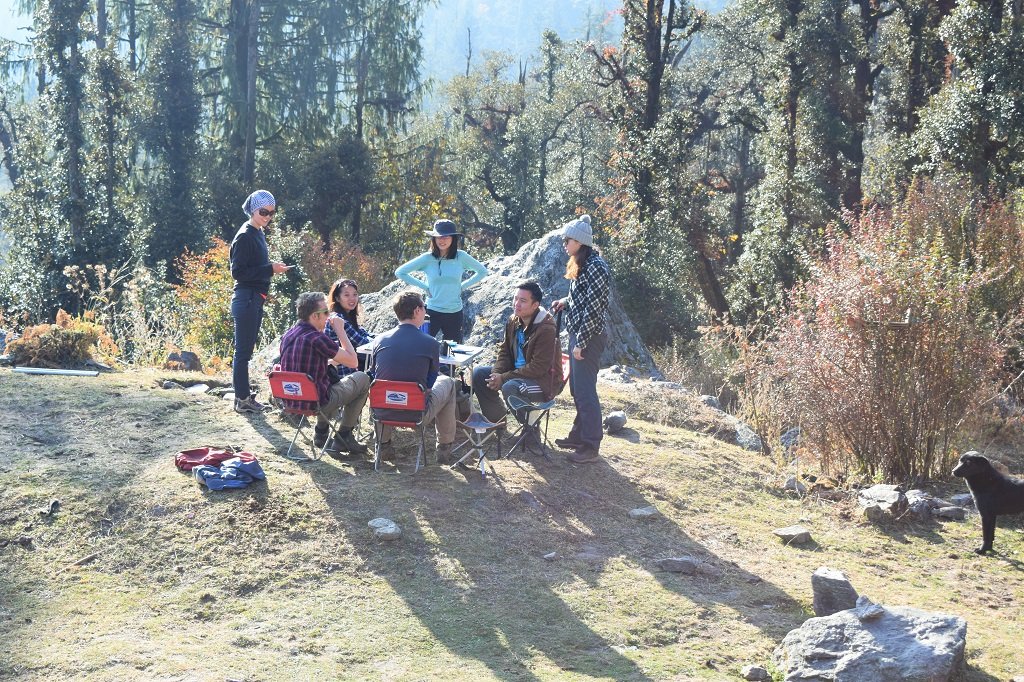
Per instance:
(587,303)
(357,335)
(306,349)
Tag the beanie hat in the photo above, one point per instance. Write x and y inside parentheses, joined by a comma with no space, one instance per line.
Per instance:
(579,230)
(257,200)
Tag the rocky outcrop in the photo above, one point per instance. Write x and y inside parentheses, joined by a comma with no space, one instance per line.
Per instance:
(488,305)
(872,642)
(833,591)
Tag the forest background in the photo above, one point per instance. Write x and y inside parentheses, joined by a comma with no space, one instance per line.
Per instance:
(813,207)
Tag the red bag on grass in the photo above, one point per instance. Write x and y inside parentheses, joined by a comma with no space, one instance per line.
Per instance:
(186,460)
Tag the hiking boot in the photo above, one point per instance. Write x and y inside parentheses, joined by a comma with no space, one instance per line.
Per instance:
(387,452)
(584,454)
(532,439)
(444,453)
(568,443)
(320,437)
(250,404)
(347,443)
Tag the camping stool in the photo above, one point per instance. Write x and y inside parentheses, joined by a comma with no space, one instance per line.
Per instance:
(393,398)
(479,430)
(531,415)
(297,394)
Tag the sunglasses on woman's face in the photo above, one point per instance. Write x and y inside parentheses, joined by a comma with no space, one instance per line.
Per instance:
(267,214)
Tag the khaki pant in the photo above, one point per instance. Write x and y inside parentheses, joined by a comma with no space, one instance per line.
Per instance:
(440,409)
(348,395)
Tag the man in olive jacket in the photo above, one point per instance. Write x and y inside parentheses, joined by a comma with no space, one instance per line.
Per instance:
(524,366)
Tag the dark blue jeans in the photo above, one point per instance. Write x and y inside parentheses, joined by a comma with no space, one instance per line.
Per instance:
(449,323)
(247,311)
(586,427)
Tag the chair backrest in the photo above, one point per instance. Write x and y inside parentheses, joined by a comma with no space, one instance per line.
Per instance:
(296,391)
(397,401)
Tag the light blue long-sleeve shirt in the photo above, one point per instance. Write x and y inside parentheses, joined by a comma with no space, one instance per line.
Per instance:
(444,283)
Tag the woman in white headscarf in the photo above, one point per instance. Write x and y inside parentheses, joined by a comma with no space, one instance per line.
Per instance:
(251,269)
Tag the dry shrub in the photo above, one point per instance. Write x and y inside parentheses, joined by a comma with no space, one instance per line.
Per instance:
(68,342)
(342,261)
(204,299)
(893,347)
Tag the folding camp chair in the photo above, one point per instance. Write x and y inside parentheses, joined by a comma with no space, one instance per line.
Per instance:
(297,394)
(400,404)
(479,431)
(530,415)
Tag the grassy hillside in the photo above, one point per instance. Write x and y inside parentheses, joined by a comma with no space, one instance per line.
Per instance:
(283,580)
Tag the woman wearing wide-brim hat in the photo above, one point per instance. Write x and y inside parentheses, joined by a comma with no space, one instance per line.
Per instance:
(444,268)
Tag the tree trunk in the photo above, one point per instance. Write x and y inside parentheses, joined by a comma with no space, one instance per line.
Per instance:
(249,162)
(101,24)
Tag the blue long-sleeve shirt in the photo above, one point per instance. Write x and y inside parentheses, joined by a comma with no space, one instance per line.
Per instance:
(444,283)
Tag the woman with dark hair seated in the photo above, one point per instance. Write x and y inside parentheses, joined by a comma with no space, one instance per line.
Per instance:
(343,299)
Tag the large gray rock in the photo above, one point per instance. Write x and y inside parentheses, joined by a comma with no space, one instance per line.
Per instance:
(488,305)
(889,498)
(833,591)
(896,645)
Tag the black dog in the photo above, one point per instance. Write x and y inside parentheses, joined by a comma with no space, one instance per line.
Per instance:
(994,493)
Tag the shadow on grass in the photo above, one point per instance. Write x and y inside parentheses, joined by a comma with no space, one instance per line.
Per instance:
(470,565)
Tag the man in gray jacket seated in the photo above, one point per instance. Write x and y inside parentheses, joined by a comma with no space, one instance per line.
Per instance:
(407,354)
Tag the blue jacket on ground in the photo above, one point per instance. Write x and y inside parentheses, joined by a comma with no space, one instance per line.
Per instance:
(233,473)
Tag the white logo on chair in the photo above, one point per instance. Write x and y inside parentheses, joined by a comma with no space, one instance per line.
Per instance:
(292,388)
(396,398)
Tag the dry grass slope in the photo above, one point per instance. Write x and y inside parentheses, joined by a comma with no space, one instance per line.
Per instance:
(283,581)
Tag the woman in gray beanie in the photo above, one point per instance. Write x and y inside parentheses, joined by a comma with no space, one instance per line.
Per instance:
(251,269)
(585,309)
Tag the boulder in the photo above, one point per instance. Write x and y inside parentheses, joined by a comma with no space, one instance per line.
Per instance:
(688,565)
(183,360)
(643,513)
(488,305)
(620,374)
(793,483)
(615,421)
(897,644)
(793,535)
(791,438)
(833,591)
(746,438)
(962,500)
(385,529)
(755,673)
(889,498)
(952,513)
(711,401)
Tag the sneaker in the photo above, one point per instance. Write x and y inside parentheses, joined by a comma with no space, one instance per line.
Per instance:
(568,443)
(584,454)
(250,404)
(348,443)
(444,453)
(387,452)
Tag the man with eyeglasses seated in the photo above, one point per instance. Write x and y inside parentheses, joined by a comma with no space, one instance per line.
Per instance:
(306,348)
(407,354)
